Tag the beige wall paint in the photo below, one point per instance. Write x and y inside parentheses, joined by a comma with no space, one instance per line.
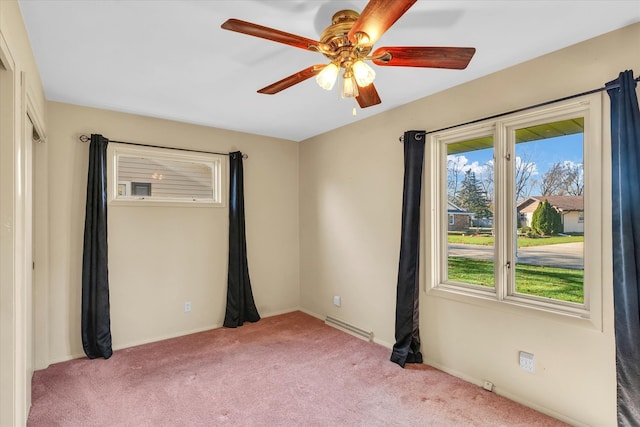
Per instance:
(161,257)
(20,91)
(350,213)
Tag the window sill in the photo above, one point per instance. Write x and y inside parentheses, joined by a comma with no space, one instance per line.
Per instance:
(520,306)
(145,202)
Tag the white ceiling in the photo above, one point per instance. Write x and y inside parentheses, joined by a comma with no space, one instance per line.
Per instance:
(170,59)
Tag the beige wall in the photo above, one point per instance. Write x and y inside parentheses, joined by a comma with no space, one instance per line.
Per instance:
(20,94)
(350,213)
(162,257)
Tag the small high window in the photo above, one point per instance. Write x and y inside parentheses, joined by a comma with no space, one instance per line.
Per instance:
(148,175)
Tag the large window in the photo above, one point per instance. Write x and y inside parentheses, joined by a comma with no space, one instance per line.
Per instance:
(151,175)
(531,185)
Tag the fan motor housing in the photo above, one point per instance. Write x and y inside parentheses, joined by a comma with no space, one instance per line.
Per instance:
(336,36)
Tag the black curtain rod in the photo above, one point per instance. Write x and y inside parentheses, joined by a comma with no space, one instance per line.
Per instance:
(495,116)
(85,138)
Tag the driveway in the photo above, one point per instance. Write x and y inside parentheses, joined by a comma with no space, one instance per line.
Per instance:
(565,255)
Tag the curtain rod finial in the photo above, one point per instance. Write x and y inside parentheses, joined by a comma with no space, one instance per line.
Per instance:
(84,138)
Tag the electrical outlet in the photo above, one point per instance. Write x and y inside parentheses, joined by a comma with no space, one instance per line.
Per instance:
(527,362)
(488,385)
(336,300)
(187,307)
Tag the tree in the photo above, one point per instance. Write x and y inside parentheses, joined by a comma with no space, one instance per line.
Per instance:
(575,179)
(553,180)
(472,198)
(486,181)
(563,179)
(455,167)
(546,220)
(525,169)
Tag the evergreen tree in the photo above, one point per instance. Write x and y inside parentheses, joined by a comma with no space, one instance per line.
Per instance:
(472,198)
(546,220)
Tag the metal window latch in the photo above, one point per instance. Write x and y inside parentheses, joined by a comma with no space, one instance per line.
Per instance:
(508,156)
(509,265)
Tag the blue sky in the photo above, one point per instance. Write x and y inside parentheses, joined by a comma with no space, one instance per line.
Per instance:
(543,152)
(546,152)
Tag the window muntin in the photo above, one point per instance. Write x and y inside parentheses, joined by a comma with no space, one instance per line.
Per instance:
(148,175)
(508,145)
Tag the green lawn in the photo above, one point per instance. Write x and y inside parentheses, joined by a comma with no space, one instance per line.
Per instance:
(523,242)
(550,282)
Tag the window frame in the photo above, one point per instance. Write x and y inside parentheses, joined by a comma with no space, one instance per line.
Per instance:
(441,233)
(505,216)
(218,163)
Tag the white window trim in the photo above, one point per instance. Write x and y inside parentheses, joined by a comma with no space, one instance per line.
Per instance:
(596,152)
(218,164)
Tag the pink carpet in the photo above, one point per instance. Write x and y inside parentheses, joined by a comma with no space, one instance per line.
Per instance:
(286,370)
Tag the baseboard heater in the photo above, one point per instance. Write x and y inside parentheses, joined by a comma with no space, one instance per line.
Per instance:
(348,328)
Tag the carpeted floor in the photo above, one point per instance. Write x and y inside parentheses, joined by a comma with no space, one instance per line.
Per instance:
(286,370)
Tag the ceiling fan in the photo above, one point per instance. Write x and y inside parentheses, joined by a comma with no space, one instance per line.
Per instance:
(348,43)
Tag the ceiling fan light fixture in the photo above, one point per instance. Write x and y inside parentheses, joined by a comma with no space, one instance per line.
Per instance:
(348,42)
(349,85)
(328,76)
(363,73)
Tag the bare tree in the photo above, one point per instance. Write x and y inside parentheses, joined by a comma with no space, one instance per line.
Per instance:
(455,174)
(563,178)
(485,179)
(553,180)
(575,179)
(525,169)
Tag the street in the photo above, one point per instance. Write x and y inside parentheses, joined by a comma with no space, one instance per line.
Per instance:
(564,255)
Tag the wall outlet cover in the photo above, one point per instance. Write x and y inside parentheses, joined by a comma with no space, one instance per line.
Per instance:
(527,362)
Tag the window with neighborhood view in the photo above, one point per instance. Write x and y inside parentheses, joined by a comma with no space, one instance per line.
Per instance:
(518,208)
(149,174)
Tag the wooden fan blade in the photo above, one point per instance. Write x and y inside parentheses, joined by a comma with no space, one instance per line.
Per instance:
(456,58)
(270,34)
(377,17)
(368,96)
(293,79)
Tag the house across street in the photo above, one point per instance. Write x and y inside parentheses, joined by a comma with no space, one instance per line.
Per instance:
(570,208)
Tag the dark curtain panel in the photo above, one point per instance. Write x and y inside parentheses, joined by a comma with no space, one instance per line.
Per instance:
(625,160)
(407,346)
(240,304)
(96,322)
